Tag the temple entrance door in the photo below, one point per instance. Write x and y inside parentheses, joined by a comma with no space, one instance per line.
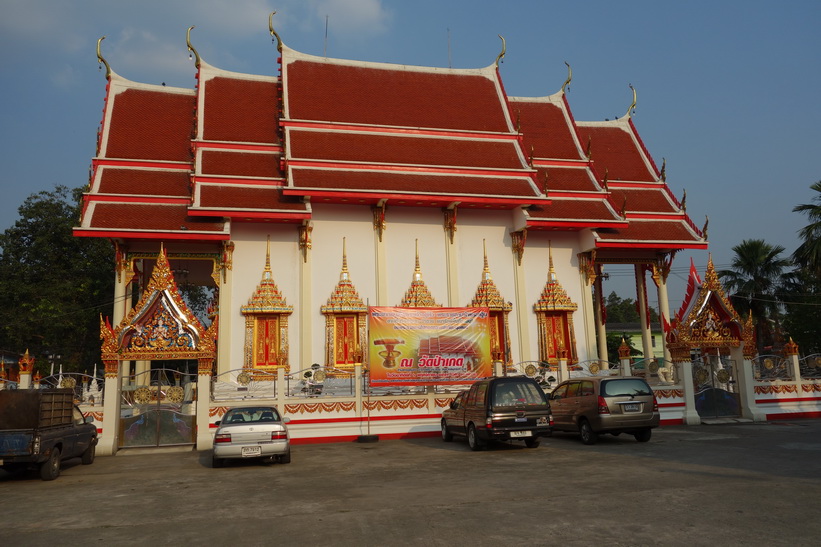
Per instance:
(158,406)
(716,388)
(556,336)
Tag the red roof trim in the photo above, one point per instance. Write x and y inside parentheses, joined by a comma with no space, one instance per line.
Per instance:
(213,145)
(120,198)
(648,185)
(398,130)
(561,163)
(592,196)
(219,181)
(656,245)
(136,234)
(592,223)
(244,213)
(141,163)
(350,166)
(643,148)
(414,197)
(653,216)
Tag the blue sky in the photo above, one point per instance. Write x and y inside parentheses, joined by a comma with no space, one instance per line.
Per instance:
(728,91)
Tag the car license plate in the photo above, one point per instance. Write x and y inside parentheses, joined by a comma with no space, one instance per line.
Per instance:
(251,451)
(520,433)
(631,407)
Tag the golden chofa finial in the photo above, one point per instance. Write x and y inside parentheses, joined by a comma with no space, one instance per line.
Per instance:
(704,230)
(502,53)
(193,52)
(632,108)
(274,35)
(101,60)
(663,174)
(569,77)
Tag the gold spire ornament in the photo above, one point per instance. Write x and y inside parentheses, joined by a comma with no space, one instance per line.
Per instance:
(418,295)
(192,51)
(502,53)
(632,109)
(274,35)
(101,60)
(569,77)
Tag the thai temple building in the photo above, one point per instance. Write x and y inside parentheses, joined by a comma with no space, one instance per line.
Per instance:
(304,197)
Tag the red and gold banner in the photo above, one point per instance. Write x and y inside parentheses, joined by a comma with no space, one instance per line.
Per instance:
(426,346)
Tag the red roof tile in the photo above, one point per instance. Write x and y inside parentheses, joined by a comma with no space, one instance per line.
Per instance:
(613,150)
(391,95)
(545,129)
(573,210)
(241,164)
(567,179)
(212,196)
(143,182)
(651,200)
(650,231)
(412,183)
(151,125)
(142,216)
(408,150)
(240,110)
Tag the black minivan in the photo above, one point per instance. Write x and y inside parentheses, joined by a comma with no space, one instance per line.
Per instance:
(503,409)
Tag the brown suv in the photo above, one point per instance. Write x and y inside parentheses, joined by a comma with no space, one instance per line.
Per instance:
(504,409)
(608,404)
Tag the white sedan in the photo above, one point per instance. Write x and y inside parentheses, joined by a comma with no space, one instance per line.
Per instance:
(252,432)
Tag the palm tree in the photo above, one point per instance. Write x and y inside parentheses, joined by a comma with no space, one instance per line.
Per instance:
(756,277)
(808,254)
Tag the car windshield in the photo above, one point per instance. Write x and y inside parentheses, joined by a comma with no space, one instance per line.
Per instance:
(626,387)
(517,393)
(251,415)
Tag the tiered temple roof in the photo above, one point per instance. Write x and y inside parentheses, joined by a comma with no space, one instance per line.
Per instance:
(183,164)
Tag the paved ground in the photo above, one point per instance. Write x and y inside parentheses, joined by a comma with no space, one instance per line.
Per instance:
(753,484)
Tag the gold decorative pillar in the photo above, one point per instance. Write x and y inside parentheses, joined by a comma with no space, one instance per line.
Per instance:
(225,282)
(26,364)
(598,303)
(661,269)
(641,298)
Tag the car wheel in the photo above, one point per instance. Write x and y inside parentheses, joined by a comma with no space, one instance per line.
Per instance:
(50,469)
(644,435)
(285,458)
(447,436)
(586,431)
(216,462)
(532,442)
(88,455)
(474,442)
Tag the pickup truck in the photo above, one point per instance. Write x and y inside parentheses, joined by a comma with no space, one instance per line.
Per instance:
(41,428)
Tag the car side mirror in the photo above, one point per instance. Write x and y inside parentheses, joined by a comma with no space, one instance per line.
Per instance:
(286,420)
(88,420)
(217,423)
(454,405)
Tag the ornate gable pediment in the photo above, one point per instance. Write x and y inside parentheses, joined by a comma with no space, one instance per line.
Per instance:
(160,326)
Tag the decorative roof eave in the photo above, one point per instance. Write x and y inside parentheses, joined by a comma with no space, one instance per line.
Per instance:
(659,244)
(255,214)
(582,224)
(160,326)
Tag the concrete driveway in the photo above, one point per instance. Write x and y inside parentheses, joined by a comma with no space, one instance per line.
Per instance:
(755,484)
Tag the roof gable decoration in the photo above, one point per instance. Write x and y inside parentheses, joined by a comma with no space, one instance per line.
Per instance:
(267,299)
(487,294)
(707,319)
(344,298)
(160,326)
(554,297)
(418,295)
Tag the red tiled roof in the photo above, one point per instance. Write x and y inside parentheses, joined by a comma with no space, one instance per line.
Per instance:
(242,164)
(614,151)
(151,125)
(650,200)
(567,179)
(651,231)
(214,196)
(573,210)
(386,182)
(149,217)
(148,182)
(545,129)
(240,110)
(392,95)
(408,150)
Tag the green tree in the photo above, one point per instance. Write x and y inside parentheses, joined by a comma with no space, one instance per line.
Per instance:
(625,310)
(754,283)
(808,253)
(54,286)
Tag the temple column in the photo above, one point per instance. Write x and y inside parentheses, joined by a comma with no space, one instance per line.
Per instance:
(587,278)
(224,299)
(522,308)
(381,274)
(451,258)
(641,298)
(691,416)
(601,330)
(660,273)
(305,301)
(204,370)
(107,443)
